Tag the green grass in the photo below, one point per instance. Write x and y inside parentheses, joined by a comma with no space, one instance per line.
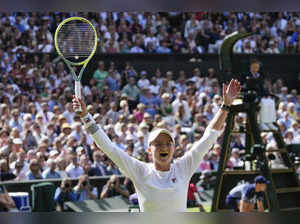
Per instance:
(196,209)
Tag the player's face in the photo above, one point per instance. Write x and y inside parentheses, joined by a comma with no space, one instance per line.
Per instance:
(162,149)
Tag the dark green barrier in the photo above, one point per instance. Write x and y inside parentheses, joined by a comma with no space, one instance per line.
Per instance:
(99,182)
(284,66)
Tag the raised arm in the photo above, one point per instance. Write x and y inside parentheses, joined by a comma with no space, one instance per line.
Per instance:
(130,166)
(229,94)
(191,160)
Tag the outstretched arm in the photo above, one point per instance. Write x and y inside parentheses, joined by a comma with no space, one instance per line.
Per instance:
(229,94)
(191,160)
(130,166)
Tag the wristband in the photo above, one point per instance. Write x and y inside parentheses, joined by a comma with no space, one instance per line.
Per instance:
(225,107)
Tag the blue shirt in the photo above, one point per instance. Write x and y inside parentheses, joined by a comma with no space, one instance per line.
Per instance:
(112,84)
(61,197)
(246,192)
(83,195)
(47,174)
(151,104)
(30,176)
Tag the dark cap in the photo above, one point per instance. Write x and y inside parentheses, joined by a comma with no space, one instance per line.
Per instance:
(261,180)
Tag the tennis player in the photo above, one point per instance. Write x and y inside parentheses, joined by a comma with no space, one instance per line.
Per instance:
(163,184)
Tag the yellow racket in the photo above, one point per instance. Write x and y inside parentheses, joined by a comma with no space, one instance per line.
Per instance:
(76,42)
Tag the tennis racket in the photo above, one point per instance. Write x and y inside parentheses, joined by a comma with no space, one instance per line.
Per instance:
(76,42)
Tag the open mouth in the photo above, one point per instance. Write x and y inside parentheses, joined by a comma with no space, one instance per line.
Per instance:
(163,154)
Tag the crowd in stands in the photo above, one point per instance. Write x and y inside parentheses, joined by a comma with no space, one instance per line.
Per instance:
(172,32)
(40,135)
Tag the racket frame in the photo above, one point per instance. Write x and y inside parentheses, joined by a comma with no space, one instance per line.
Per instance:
(70,63)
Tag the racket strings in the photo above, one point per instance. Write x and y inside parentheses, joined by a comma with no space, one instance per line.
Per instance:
(76,39)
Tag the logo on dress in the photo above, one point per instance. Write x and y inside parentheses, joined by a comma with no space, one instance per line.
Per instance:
(174,179)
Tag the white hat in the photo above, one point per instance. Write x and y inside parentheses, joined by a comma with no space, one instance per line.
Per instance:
(154,134)
(17,141)
(235,150)
(129,138)
(53,153)
(140,134)
(79,149)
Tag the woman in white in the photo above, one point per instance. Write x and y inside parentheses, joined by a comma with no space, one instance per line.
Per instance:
(162,185)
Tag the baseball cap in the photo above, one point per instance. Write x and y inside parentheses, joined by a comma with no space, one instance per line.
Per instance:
(154,134)
(261,180)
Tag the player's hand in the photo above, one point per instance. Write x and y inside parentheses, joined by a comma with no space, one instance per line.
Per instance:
(231,91)
(76,103)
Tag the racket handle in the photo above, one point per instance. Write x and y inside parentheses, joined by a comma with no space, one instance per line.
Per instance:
(78,94)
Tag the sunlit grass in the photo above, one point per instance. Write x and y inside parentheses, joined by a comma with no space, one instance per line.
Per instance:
(196,209)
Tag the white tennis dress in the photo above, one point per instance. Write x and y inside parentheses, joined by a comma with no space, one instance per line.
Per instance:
(157,190)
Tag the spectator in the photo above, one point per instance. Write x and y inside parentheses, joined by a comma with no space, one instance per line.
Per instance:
(34,170)
(64,193)
(114,188)
(5,173)
(84,190)
(100,75)
(74,170)
(50,172)
(98,167)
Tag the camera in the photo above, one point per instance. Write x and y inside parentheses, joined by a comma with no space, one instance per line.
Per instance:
(84,183)
(67,185)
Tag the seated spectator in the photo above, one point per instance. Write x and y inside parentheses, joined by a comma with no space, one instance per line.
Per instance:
(114,188)
(235,159)
(214,161)
(74,170)
(18,171)
(5,173)
(98,167)
(205,164)
(84,190)
(61,167)
(34,170)
(51,173)
(64,193)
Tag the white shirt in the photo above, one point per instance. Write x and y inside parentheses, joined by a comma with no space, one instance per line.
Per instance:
(142,83)
(157,191)
(74,172)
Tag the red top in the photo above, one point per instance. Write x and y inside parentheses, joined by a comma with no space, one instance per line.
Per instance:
(191,191)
